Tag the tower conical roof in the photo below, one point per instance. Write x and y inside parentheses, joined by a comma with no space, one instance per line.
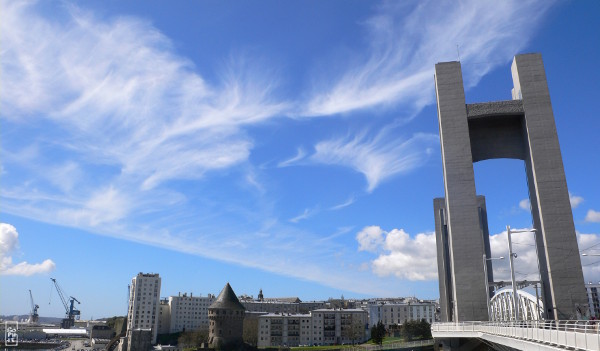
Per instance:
(227,300)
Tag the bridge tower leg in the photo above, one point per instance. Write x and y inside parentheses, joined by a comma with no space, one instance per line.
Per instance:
(522,128)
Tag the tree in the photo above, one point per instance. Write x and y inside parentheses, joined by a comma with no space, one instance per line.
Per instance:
(357,331)
(250,333)
(378,333)
(425,329)
(416,330)
(408,330)
(193,338)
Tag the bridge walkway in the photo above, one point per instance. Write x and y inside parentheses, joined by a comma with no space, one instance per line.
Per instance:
(526,335)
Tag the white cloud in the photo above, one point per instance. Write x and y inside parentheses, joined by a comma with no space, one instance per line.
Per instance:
(9,242)
(592,216)
(340,231)
(525,204)
(121,114)
(370,238)
(403,256)
(526,266)
(130,115)
(590,244)
(575,200)
(308,212)
(9,239)
(105,206)
(398,67)
(414,258)
(347,203)
(377,158)
(291,161)
(125,98)
(526,261)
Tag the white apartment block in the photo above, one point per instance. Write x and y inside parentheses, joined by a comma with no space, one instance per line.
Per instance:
(398,313)
(593,290)
(144,306)
(284,329)
(189,312)
(319,327)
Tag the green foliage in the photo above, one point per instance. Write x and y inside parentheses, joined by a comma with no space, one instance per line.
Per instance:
(192,338)
(412,330)
(250,332)
(168,339)
(378,333)
(117,324)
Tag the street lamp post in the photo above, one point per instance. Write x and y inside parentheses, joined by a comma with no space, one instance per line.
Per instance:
(487,283)
(511,256)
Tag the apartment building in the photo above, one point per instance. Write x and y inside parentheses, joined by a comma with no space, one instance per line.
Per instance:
(144,306)
(319,327)
(188,312)
(398,313)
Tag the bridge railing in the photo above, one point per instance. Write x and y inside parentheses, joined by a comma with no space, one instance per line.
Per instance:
(581,334)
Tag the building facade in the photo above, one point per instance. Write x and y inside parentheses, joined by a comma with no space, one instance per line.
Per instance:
(284,330)
(391,314)
(140,339)
(164,317)
(319,327)
(188,312)
(593,300)
(272,306)
(144,304)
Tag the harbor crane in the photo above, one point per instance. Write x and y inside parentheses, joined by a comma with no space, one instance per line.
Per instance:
(34,318)
(71,312)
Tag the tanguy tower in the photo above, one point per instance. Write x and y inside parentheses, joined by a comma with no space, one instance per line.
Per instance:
(522,128)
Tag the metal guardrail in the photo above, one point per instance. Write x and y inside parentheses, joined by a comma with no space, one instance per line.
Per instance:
(390,346)
(579,334)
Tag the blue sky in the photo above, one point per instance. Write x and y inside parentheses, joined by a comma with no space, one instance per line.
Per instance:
(288,146)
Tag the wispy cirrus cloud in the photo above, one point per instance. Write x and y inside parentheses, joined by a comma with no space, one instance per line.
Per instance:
(116,119)
(122,96)
(307,213)
(125,111)
(300,154)
(407,40)
(344,204)
(377,158)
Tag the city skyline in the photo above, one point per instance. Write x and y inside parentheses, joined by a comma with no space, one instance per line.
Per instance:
(291,147)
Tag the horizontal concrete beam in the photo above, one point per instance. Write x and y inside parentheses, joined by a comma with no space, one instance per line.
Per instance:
(494,108)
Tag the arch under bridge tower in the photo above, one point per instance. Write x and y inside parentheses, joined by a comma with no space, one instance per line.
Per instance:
(522,128)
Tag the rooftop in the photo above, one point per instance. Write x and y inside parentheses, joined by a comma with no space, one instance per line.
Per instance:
(227,300)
